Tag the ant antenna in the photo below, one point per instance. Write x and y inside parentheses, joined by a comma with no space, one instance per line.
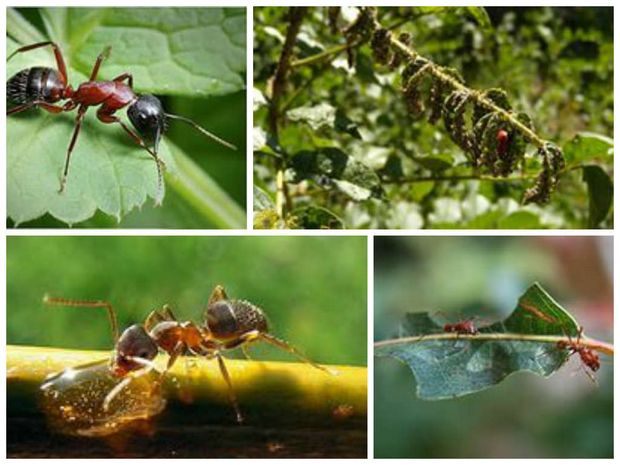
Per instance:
(202,130)
(88,304)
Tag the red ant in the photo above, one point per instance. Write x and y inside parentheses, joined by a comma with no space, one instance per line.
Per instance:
(461,327)
(43,87)
(589,357)
(502,142)
(228,324)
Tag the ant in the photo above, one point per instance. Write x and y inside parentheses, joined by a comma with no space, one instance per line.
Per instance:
(228,324)
(43,87)
(589,357)
(461,327)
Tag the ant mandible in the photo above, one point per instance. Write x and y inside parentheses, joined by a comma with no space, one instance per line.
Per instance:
(44,87)
(228,324)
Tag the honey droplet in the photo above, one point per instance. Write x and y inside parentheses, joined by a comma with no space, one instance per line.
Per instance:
(73,400)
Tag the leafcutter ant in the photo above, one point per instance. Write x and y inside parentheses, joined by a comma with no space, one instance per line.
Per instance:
(589,357)
(462,327)
(227,324)
(44,87)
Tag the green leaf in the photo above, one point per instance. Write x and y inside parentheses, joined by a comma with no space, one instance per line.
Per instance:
(600,193)
(108,170)
(262,200)
(448,365)
(520,220)
(437,162)
(344,124)
(317,117)
(480,15)
(587,147)
(332,165)
(314,217)
(171,51)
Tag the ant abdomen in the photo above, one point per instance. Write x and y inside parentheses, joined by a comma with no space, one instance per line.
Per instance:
(34,84)
(227,319)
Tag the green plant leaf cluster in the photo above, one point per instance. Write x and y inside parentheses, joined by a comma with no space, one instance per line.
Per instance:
(556,72)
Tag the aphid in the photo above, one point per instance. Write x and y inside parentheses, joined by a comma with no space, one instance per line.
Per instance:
(502,142)
(227,324)
(45,87)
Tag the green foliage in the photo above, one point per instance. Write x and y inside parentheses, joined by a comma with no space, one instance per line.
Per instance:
(545,76)
(169,52)
(291,278)
(447,368)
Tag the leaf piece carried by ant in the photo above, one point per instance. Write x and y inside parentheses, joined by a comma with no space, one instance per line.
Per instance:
(448,363)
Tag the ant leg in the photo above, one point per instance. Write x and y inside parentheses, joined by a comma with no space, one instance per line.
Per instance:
(289,348)
(60,62)
(157,316)
(87,304)
(125,76)
(246,353)
(231,393)
(37,103)
(108,118)
(218,294)
(167,312)
(102,56)
(147,366)
(78,125)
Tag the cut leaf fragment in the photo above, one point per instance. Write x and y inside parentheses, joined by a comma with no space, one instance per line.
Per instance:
(448,365)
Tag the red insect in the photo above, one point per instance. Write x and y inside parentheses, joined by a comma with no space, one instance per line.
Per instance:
(40,87)
(589,357)
(461,327)
(502,142)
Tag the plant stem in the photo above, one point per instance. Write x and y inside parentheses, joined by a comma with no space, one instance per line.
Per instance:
(325,54)
(296,388)
(594,344)
(191,182)
(439,73)
(474,176)
(296,16)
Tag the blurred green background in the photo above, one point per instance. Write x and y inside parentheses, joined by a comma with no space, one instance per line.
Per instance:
(313,289)
(525,415)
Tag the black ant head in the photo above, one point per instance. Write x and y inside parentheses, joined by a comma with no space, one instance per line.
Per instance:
(134,343)
(149,118)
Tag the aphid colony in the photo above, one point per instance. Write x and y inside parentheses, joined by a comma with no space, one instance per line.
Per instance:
(483,123)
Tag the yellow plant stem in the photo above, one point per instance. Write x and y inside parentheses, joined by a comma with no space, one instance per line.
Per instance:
(298,387)
(593,344)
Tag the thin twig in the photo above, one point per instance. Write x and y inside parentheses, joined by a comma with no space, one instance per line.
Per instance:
(474,176)
(296,15)
(594,344)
